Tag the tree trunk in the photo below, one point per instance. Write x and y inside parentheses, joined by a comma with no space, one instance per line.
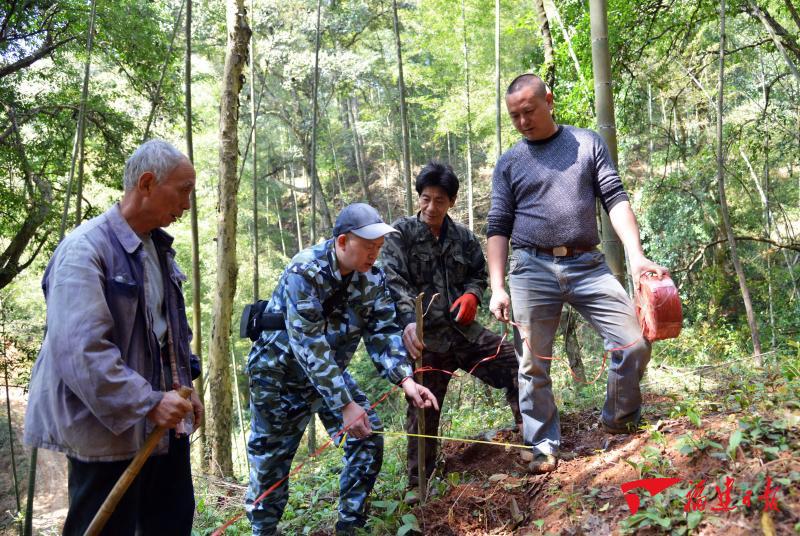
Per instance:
(296,213)
(567,39)
(548,70)
(793,12)
(470,209)
(449,150)
(220,410)
(39,206)
(156,96)
(313,156)
(322,201)
(766,201)
(780,37)
(650,142)
(498,125)
(337,175)
(723,202)
(276,199)
(316,187)
(403,113)
(386,189)
(78,150)
(197,320)
(253,142)
(606,126)
(358,151)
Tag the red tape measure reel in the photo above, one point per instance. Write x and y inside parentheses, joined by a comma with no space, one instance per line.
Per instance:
(658,308)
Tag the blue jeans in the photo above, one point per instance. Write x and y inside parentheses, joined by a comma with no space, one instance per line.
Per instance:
(540,285)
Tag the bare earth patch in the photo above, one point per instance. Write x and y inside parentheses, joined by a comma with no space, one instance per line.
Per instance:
(50,502)
(583,496)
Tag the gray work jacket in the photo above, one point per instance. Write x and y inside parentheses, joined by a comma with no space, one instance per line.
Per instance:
(97,374)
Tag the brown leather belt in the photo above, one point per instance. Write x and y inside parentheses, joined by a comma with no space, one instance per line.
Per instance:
(563,251)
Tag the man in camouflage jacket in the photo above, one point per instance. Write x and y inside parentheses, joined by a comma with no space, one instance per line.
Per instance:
(300,370)
(433,254)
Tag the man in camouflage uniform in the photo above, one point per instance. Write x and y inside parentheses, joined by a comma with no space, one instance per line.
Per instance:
(300,370)
(433,254)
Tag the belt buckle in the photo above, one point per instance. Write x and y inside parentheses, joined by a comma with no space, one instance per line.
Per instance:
(560,251)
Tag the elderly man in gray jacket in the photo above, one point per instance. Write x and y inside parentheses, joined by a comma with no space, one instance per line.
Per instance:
(116,350)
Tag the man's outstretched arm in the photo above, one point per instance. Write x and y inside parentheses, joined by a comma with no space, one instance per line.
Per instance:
(624,222)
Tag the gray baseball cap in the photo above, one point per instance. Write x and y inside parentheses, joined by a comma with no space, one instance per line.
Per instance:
(361,220)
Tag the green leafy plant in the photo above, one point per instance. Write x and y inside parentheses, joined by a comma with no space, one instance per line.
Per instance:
(410,525)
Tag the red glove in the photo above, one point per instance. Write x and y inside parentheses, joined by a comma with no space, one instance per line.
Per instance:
(468,306)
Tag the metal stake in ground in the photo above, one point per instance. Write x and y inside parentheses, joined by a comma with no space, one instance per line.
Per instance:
(124,482)
(422,477)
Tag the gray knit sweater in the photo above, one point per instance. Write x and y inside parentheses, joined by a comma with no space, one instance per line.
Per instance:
(543,192)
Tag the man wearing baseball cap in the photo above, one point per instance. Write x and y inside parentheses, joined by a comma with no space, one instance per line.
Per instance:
(331,296)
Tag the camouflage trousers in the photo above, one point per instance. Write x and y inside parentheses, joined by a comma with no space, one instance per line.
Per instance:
(500,373)
(280,412)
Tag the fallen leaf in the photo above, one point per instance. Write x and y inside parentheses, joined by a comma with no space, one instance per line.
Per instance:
(516,514)
(498,477)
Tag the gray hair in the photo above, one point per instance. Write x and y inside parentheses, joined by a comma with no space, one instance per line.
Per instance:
(157,156)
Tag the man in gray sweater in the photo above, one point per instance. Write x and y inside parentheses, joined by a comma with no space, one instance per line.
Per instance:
(543,200)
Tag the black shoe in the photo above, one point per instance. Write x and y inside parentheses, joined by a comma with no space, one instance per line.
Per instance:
(346,529)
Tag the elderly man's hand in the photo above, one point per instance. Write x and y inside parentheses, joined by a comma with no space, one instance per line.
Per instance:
(170,411)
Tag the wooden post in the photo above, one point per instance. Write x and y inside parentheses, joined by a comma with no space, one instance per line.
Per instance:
(422,478)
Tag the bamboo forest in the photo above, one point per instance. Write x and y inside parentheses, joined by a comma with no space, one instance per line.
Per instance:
(286,118)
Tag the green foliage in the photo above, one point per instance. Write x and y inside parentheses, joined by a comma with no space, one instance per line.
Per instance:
(689,410)
(410,525)
(689,445)
(43,95)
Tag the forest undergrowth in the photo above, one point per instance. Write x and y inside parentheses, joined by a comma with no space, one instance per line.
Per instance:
(724,430)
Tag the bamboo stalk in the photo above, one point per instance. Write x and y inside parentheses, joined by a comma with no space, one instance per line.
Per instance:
(107,508)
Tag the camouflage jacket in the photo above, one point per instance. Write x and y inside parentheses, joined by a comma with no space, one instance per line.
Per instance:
(315,350)
(415,261)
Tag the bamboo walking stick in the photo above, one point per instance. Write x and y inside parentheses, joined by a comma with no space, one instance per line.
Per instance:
(124,482)
(422,477)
